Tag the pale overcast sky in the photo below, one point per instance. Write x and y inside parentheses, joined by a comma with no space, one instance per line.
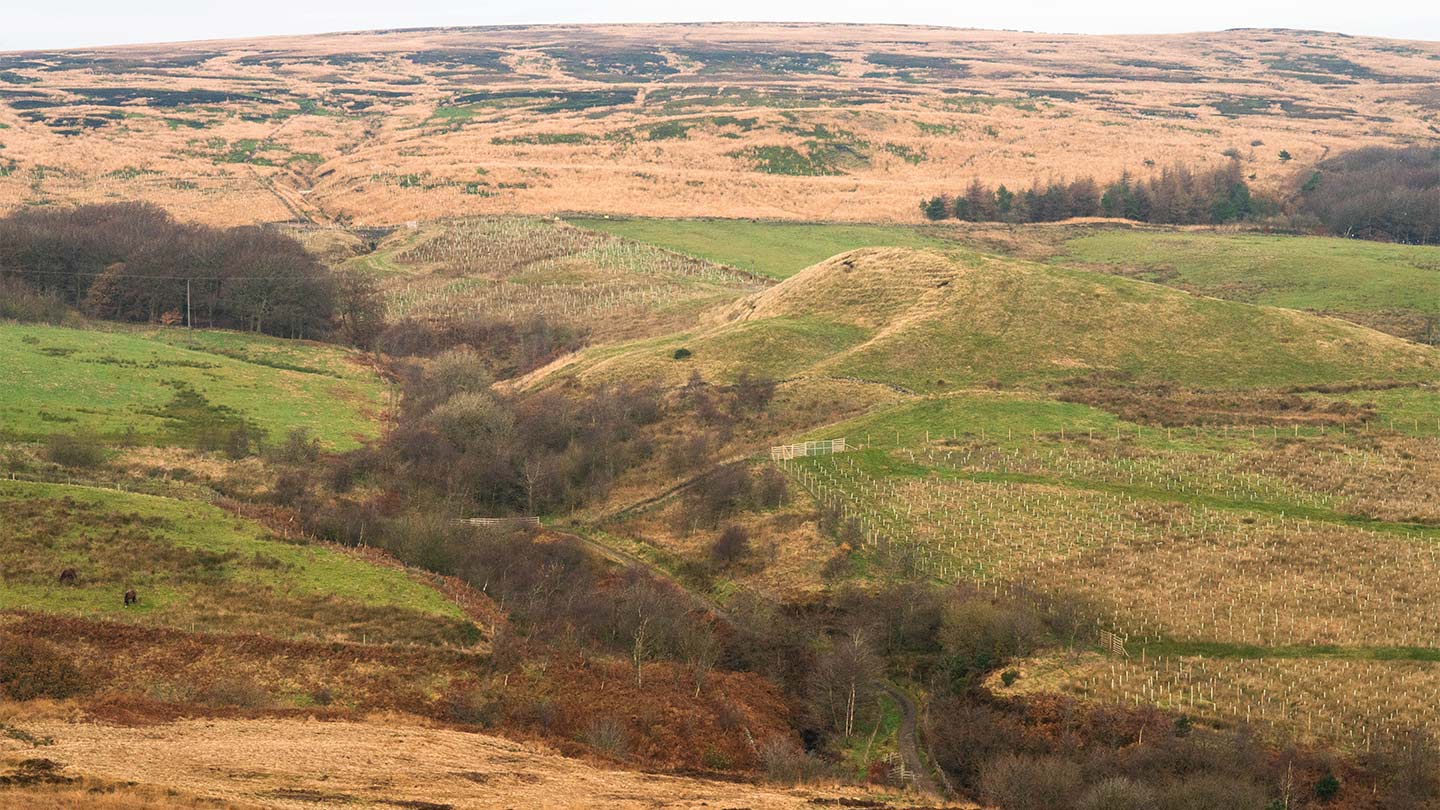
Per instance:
(32,24)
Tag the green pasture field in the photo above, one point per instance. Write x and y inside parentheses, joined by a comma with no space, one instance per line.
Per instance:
(162,386)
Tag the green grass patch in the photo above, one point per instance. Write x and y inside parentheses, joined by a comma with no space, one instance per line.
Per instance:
(1342,276)
(908,154)
(670,131)
(775,348)
(814,162)
(451,115)
(1414,411)
(1023,326)
(197,566)
(873,739)
(544,139)
(61,380)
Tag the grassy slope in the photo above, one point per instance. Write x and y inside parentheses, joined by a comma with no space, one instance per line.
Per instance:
(930,324)
(1022,325)
(1300,272)
(61,379)
(997,416)
(197,566)
(775,249)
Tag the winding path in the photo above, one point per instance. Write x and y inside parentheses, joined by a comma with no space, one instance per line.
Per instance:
(908,738)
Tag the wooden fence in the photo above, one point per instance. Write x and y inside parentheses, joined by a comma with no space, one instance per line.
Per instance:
(825,447)
(1113,644)
(897,772)
(524,520)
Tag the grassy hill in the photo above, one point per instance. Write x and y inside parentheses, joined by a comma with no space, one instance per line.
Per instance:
(168,386)
(195,565)
(1394,288)
(929,323)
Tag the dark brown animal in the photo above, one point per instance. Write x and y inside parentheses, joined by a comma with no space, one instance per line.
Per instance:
(68,576)
(131,598)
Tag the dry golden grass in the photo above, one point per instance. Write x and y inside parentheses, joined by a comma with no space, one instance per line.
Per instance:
(1389,477)
(387,760)
(1355,704)
(98,795)
(1156,567)
(372,128)
(788,550)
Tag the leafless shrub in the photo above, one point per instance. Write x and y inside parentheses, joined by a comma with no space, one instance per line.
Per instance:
(234,691)
(785,762)
(471,705)
(608,736)
(1020,782)
(731,547)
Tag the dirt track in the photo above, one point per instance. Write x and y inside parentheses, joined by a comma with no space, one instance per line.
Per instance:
(909,740)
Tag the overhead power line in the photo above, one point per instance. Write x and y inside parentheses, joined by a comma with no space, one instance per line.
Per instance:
(165,278)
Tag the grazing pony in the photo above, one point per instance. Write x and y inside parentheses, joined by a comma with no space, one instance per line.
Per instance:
(131,598)
(68,576)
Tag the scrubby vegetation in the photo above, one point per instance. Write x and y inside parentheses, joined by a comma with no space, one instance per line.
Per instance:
(512,346)
(776,250)
(21,302)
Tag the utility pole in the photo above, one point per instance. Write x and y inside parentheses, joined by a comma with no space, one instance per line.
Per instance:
(188,324)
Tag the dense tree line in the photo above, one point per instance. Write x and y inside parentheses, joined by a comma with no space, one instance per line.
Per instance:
(1392,195)
(131,262)
(1380,193)
(1177,196)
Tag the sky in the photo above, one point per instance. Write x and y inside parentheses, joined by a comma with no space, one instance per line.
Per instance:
(38,24)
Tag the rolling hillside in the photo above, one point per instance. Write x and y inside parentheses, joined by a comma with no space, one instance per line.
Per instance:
(1138,516)
(804,122)
(196,565)
(1393,288)
(928,323)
